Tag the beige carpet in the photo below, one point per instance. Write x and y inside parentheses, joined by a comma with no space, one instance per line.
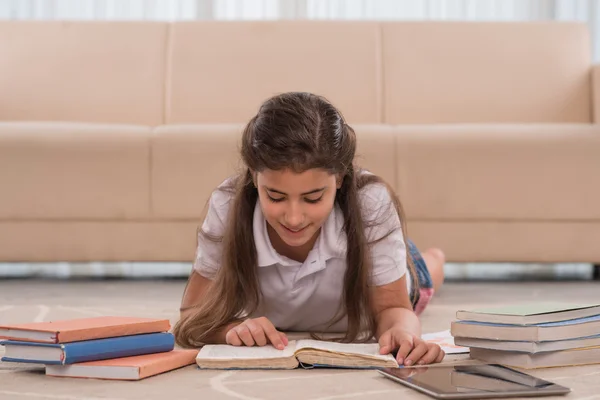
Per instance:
(26,301)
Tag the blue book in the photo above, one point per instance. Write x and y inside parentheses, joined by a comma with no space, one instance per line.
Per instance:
(88,350)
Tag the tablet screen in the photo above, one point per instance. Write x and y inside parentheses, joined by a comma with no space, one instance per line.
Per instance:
(473,381)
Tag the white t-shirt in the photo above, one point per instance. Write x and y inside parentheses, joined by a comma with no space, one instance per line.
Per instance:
(306,296)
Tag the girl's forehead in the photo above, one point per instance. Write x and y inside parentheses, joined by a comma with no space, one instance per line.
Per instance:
(288,175)
(290,182)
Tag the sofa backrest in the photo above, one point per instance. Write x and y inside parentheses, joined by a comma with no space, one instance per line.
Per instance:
(221,72)
(105,72)
(450,72)
(155,73)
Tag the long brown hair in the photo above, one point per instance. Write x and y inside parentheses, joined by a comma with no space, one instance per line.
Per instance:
(297,131)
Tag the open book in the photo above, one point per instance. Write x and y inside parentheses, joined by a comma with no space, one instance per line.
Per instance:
(297,353)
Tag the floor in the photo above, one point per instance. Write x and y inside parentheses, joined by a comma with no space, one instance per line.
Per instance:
(26,300)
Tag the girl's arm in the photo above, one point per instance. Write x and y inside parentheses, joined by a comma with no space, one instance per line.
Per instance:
(398,327)
(194,293)
(196,288)
(249,332)
(392,308)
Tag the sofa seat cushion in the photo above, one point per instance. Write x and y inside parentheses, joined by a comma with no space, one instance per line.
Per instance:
(523,172)
(83,241)
(510,241)
(188,163)
(74,171)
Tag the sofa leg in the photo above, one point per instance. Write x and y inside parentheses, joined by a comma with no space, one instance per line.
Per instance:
(596,272)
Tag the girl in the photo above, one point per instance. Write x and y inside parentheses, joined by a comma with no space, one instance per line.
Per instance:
(303,240)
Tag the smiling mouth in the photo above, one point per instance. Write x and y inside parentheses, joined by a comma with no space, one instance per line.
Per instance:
(293,230)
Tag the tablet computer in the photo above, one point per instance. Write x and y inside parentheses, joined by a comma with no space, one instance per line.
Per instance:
(473,382)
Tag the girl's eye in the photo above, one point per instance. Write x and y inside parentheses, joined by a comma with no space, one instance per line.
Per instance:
(276,200)
(313,201)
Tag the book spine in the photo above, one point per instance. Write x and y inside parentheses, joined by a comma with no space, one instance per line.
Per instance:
(125,346)
(21,360)
(127,329)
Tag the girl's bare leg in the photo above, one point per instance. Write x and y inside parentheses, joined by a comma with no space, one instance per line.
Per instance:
(435,260)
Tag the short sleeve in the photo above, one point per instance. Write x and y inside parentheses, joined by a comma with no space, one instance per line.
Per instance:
(210,247)
(388,255)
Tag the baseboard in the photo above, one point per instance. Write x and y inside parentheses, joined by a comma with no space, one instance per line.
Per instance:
(159,270)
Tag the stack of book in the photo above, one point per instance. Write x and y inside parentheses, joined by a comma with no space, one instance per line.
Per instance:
(123,348)
(531,335)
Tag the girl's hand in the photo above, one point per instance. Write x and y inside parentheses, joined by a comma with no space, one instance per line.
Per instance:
(256,331)
(411,349)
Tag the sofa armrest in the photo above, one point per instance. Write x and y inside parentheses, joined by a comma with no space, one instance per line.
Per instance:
(596,93)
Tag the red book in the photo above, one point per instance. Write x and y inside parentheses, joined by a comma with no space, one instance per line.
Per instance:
(74,330)
(126,368)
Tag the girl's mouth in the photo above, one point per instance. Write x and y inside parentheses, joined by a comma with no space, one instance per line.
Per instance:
(294,231)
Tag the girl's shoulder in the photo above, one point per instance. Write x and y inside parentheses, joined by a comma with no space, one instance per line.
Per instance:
(220,201)
(374,189)
(224,193)
(377,200)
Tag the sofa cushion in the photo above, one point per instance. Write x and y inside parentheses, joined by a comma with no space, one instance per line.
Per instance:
(222,72)
(78,240)
(510,241)
(190,161)
(448,72)
(107,72)
(54,171)
(482,172)
(376,151)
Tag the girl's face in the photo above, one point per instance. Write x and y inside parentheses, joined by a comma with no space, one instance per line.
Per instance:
(296,204)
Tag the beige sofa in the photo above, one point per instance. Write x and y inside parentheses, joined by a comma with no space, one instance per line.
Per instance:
(113,134)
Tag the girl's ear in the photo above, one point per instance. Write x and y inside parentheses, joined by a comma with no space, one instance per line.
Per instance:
(253,174)
(339,178)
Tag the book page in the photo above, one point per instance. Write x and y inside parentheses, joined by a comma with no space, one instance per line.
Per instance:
(537,308)
(227,352)
(366,349)
(446,341)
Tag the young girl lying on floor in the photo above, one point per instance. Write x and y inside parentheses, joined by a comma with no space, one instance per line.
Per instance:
(304,240)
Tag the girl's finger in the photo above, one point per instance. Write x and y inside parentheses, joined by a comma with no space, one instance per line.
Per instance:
(386,343)
(257,332)
(270,333)
(431,355)
(403,350)
(244,334)
(232,338)
(284,338)
(415,355)
(440,356)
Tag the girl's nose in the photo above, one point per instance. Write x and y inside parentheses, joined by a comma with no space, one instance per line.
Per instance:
(294,217)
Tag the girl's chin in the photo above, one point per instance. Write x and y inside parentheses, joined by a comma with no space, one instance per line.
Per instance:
(295,238)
